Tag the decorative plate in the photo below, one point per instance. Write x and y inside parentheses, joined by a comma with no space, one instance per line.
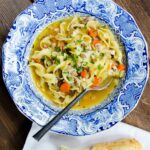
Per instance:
(30,102)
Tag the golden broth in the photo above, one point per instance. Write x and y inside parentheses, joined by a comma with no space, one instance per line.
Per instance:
(89,100)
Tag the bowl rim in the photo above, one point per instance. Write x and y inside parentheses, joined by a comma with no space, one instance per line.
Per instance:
(147,75)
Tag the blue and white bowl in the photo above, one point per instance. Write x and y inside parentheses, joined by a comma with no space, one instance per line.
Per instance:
(29,100)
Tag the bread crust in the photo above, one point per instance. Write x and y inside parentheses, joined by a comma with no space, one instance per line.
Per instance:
(124,144)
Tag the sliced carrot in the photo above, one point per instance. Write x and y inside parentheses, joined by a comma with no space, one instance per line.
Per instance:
(96,41)
(83,74)
(93,33)
(121,67)
(96,81)
(65,87)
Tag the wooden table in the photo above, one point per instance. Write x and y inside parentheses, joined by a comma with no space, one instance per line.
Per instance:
(13,125)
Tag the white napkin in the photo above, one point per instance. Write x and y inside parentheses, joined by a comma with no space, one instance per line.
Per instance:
(52,141)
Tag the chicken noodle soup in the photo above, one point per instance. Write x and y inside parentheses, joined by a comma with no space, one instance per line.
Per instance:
(73,54)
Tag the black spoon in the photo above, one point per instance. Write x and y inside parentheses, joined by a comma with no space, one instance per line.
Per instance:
(49,125)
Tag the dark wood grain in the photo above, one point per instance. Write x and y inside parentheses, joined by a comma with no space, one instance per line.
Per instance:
(13,125)
(140,10)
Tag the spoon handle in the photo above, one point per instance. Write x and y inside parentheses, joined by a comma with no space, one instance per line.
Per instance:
(49,125)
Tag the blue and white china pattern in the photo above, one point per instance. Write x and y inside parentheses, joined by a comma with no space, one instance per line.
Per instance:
(18,79)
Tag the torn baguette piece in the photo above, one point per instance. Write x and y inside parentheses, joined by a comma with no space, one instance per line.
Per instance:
(124,144)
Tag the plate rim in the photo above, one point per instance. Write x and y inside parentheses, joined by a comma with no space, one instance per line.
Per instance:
(146,80)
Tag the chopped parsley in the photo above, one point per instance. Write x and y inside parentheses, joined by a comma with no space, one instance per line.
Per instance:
(57,49)
(74,58)
(46,61)
(57,61)
(79,41)
(84,49)
(65,72)
(44,58)
(85,26)
(69,78)
(102,55)
(79,69)
(79,49)
(84,63)
(99,67)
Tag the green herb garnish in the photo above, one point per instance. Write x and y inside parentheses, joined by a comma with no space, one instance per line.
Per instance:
(85,27)
(69,78)
(79,69)
(57,49)
(84,49)
(46,61)
(79,41)
(102,55)
(74,58)
(57,61)
(65,72)
(49,63)
(99,67)
(84,63)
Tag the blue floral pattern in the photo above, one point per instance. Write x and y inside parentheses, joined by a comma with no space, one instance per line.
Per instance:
(28,99)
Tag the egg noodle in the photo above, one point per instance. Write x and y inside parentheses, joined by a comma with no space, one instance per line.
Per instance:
(81,52)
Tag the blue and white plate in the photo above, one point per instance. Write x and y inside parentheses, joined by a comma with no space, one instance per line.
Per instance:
(29,100)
